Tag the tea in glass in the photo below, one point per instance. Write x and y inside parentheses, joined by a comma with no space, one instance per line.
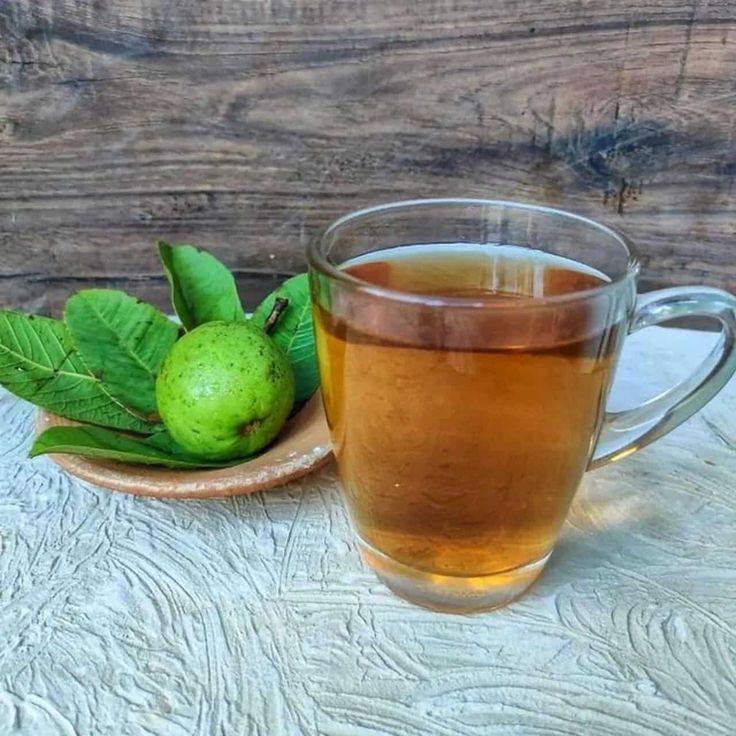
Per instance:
(466,350)
(460,442)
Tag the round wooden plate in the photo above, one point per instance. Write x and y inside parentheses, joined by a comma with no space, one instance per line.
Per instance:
(303,446)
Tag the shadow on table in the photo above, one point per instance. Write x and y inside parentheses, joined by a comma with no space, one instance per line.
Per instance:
(309,495)
(607,527)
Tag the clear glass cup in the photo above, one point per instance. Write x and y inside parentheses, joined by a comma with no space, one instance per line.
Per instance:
(462,422)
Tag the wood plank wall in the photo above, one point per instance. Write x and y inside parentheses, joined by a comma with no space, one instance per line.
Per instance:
(246,125)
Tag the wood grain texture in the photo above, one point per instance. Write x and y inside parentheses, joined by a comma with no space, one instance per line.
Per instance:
(245,126)
(254,615)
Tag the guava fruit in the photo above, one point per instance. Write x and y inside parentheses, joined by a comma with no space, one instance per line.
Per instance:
(225,390)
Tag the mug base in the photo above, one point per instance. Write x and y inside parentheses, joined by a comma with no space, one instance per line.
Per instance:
(451,593)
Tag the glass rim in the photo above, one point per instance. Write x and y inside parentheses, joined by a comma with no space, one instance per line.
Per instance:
(319,261)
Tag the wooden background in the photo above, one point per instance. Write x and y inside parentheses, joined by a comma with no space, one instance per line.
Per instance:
(244,126)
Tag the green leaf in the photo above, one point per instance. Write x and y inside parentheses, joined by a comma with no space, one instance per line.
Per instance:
(294,332)
(122,341)
(102,444)
(38,363)
(202,289)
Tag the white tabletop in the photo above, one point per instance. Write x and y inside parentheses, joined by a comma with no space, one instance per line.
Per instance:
(255,615)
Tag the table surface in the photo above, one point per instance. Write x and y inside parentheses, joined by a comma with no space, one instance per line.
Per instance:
(255,615)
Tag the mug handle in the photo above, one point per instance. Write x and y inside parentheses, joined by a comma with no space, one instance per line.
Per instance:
(625,432)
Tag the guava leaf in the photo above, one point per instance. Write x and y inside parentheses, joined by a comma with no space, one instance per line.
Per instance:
(202,288)
(38,363)
(102,444)
(294,332)
(122,341)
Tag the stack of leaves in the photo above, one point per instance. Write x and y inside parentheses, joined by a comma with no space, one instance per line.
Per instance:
(99,365)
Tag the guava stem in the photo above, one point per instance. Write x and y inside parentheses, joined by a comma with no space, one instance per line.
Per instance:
(279,306)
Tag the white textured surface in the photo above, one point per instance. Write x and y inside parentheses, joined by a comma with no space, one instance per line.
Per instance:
(254,615)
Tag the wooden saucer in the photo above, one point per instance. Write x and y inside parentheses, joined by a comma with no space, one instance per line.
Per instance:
(303,446)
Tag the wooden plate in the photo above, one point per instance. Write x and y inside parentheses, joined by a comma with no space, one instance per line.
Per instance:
(303,446)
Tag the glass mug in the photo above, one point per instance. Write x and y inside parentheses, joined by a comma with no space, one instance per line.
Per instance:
(466,349)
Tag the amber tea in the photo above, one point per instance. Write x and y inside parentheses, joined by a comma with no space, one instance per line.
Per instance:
(461,434)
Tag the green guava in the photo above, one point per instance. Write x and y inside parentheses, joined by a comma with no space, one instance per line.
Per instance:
(225,390)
